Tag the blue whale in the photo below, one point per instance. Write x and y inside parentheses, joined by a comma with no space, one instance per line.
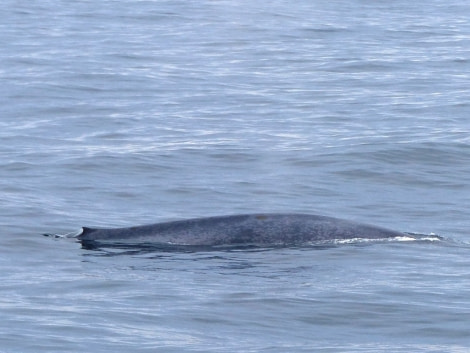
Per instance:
(264,229)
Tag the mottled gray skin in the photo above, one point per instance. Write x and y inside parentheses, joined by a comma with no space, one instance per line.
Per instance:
(259,229)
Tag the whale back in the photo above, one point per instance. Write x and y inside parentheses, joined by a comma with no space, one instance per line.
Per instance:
(262,229)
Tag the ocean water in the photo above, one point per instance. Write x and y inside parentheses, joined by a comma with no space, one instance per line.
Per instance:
(127,112)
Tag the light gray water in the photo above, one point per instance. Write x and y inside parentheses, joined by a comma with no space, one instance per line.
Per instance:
(127,112)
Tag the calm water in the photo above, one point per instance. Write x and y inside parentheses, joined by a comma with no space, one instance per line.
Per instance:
(125,112)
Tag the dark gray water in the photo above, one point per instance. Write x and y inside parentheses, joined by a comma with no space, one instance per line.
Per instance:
(120,113)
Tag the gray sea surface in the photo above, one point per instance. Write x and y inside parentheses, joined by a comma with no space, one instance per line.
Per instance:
(127,112)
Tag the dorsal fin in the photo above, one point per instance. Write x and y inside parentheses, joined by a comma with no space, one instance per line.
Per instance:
(85,231)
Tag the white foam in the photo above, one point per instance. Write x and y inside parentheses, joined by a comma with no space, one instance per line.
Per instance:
(394,239)
(73,234)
